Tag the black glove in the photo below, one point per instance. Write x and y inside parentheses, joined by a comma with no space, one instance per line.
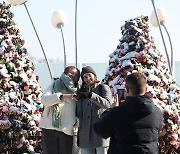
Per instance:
(85,88)
(83,95)
(79,96)
(84,92)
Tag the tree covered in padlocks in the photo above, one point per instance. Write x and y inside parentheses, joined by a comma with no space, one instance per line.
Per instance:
(136,51)
(20,92)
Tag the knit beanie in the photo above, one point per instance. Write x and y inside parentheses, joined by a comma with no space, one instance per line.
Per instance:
(87,69)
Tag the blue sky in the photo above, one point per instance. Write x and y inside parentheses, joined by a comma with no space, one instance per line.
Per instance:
(98,27)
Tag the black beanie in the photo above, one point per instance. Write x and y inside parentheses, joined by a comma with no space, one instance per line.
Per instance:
(87,69)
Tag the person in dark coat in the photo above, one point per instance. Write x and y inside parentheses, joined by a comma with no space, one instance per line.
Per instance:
(134,125)
(93,99)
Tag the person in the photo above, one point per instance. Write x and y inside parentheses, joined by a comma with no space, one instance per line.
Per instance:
(93,99)
(134,125)
(59,119)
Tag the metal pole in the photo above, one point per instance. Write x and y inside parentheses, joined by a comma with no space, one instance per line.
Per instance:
(63,46)
(167,56)
(172,61)
(76,32)
(50,72)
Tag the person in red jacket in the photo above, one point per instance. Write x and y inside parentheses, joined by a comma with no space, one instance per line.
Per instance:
(134,125)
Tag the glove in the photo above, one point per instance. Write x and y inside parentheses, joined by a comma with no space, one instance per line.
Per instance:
(85,88)
(84,92)
(83,95)
(79,96)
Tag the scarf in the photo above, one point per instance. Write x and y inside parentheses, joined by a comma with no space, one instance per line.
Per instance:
(66,85)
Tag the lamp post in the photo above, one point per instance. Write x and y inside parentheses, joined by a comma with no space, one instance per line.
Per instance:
(162,19)
(158,23)
(20,2)
(58,19)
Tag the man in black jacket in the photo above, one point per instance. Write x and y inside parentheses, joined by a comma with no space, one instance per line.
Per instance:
(134,125)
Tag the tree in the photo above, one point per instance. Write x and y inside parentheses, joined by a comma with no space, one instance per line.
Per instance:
(20,93)
(136,51)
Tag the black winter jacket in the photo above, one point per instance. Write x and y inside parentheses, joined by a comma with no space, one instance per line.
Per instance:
(133,126)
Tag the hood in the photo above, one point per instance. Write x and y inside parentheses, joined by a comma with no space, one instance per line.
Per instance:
(140,105)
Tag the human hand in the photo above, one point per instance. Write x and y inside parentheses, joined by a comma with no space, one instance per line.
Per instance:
(69,96)
(76,124)
(83,95)
(84,92)
(84,88)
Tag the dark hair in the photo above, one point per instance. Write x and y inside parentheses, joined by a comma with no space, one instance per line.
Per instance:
(136,82)
(68,68)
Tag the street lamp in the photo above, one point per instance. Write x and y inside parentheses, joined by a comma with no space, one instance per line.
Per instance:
(162,19)
(158,23)
(20,2)
(58,20)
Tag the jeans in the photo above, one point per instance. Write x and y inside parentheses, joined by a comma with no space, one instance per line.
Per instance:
(99,150)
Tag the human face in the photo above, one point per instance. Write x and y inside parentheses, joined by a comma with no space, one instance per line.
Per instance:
(89,78)
(73,73)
